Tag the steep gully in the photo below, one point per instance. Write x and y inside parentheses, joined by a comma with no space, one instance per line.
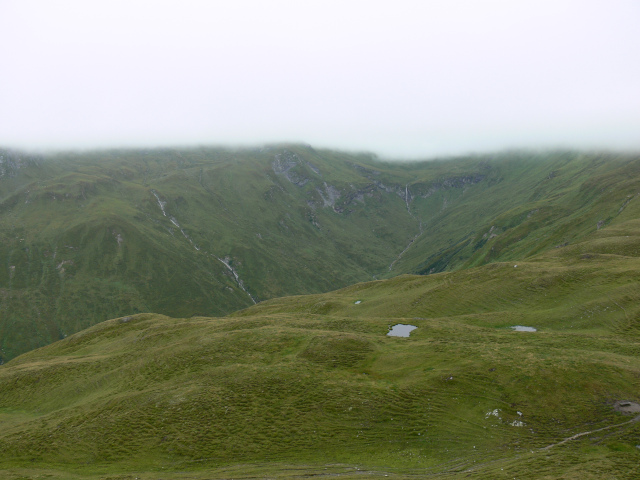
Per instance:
(285,162)
(407,199)
(226,261)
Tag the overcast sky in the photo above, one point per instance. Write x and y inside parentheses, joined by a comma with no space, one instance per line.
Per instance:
(400,78)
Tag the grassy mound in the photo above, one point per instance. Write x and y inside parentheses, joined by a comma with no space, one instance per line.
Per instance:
(311,385)
(89,236)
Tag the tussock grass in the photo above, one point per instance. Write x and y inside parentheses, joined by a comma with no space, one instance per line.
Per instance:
(311,385)
(83,238)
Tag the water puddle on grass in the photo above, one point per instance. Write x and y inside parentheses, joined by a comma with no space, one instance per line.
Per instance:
(520,328)
(401,330)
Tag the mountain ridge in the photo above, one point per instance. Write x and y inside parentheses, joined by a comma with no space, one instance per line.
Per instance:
(303,385)
(93,235)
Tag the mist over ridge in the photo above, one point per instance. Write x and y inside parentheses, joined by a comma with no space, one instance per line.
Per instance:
(412,80)
(274,274)
(213,213)
(237,226)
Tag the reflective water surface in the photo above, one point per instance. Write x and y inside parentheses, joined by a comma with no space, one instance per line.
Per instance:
(401,330)
(520,328)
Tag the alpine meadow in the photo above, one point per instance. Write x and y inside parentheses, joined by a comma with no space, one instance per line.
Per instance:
(209,313)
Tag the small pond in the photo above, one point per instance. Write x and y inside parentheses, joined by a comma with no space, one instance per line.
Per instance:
(520,328)
(401,330)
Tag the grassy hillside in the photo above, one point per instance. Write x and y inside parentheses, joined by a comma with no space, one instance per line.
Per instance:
(312,386)
(89,236)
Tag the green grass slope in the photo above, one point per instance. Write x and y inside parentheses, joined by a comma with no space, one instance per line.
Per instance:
(312,386)
(198,232)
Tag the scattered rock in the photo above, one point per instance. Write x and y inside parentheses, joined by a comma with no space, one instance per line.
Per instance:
(625,406)
(284,163)
(329,196)
(64,262)
(118,237)
(493,413)
(314,169)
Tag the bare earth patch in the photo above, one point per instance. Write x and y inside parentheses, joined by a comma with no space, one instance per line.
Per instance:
(625,406)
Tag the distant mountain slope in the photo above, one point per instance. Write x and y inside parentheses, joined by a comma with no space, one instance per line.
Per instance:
(312,386)
(89,236)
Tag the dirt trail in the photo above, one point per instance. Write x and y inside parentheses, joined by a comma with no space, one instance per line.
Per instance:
(578,435)
(633,407)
